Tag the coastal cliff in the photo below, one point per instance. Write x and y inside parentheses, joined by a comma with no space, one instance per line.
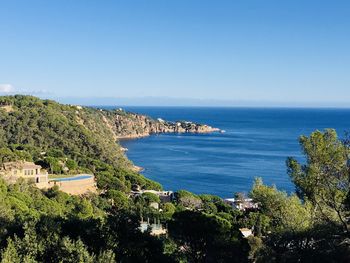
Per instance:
(127,125)
(81,133)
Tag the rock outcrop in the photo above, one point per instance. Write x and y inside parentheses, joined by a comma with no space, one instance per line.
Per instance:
(130,125)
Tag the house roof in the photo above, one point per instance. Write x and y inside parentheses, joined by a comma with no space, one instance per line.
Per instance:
(233,200)
(20,165)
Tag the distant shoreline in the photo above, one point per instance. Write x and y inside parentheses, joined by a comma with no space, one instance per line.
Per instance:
(204,130)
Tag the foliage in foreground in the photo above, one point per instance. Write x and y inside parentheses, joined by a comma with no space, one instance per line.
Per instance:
(311,225)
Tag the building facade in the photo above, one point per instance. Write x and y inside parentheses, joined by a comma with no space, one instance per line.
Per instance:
(11,171)
(241,204)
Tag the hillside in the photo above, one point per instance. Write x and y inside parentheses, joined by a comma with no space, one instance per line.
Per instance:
(311,225)
(51,226)
(45,124)
(57,136)
(51,133)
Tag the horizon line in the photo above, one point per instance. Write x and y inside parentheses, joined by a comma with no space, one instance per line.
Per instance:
(161,101)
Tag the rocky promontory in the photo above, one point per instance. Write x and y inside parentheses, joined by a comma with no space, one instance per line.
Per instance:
(126,125)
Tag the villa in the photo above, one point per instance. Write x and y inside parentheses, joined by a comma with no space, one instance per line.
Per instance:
(164,196)
(244,204)
(11,171)
(75,185)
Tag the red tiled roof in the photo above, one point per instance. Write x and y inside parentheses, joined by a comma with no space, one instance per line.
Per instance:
(20,165)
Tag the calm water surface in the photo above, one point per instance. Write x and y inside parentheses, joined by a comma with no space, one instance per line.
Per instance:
(256,143)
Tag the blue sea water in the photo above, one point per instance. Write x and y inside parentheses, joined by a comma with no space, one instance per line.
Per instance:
(256,143)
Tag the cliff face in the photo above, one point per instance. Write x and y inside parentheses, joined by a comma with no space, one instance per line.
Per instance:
(84,134)
(130,125)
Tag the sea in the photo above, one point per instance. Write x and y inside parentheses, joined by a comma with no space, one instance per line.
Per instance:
(256,143)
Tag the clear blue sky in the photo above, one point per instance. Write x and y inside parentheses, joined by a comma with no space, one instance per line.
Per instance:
(255,51)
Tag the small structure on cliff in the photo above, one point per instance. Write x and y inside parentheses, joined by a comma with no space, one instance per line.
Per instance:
(246,232)
(155,229)
(164,196)
(241,204)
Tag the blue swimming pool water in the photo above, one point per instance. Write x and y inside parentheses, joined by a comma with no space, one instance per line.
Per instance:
(80,177)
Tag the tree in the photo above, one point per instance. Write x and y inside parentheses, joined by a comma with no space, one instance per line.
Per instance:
(207,238)
(54,164)
(286,213)
(239,196)
(106,257)
(10,254)
(73,251)
(119,199)
(71,164)
(151,198)
(324,179)
(311,226)
(188,200)
(83,209)
(128,243)
(256,245)
(168,210)
(6,155)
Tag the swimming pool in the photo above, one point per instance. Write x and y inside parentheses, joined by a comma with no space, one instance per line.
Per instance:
(75,178)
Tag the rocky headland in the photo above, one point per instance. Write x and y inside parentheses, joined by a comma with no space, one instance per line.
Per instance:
(126,125)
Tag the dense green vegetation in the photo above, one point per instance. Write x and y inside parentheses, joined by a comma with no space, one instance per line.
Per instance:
(65,139)
(311,225)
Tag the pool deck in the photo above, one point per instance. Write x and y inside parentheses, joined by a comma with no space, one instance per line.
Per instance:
(75,185)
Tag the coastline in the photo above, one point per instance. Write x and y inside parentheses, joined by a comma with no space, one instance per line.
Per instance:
(207,130)
(137,168)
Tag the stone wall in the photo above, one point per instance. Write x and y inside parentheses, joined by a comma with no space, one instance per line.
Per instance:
(76,187)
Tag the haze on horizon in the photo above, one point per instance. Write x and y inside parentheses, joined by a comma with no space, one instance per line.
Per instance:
(231,53)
